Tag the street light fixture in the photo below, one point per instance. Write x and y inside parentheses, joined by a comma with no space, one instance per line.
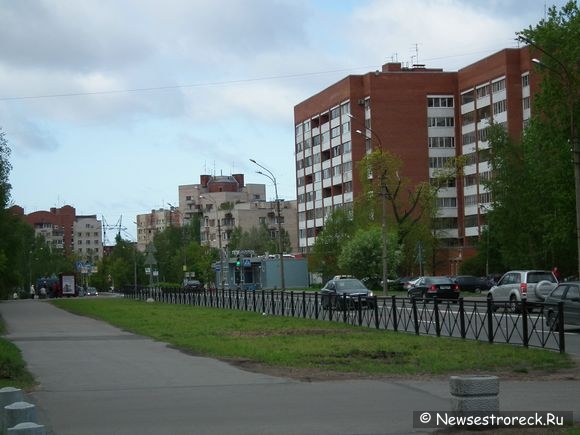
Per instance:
(565,74)
(272,178)
(484,208)
(384,207)
(219,237)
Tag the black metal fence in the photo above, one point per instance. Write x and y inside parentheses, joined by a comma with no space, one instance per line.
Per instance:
(479,320)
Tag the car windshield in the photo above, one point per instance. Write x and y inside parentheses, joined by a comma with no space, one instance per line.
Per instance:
(349,285)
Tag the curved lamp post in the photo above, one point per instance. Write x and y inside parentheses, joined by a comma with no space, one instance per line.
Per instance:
(272,178)
(565,74)
(219,237)
(384,207)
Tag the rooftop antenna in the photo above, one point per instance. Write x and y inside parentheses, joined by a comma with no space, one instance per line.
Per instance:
(416,45)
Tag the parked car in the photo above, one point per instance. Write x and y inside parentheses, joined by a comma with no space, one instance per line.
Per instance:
(515,285)
(401,283)
(91,291)
(346,293)
(440,287)
(469,283)
(569,294)
(192,285)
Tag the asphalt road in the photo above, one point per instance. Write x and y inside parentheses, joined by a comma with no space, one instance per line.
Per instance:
(97,379)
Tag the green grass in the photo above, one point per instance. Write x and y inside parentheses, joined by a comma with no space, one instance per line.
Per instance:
(299,343)
(13,372)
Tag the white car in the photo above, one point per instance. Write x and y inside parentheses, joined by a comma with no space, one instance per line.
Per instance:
(516,285)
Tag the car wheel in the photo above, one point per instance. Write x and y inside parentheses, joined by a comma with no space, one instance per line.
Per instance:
(514,304)
(477,291)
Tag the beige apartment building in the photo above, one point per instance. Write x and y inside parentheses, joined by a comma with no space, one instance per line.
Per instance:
(222,202)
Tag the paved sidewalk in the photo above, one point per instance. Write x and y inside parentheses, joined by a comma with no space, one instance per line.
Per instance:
(97,379)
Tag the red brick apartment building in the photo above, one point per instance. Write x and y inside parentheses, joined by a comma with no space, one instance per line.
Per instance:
(424,116)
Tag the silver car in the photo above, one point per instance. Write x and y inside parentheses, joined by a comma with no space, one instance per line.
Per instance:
(516,285)
(569,294)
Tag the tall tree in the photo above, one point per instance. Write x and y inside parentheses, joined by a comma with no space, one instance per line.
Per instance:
(534,218)
(338,229)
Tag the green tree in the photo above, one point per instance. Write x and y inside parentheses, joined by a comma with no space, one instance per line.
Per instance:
(546,159)
(338,229)
(121,268)
(259,239)
(362,255)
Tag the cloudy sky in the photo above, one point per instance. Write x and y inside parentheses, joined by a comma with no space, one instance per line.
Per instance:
(110,105)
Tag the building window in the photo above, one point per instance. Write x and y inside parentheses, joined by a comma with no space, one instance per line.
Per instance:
(499,107)
(468,138)
(467,97)
(335,113)
(440,121)
(438,162)
(526,103)
(525,80)
(498,86)
(440,102)
(446,202)
(482,91)
(442,142)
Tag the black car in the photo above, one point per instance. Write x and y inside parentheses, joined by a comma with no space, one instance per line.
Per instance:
(569,294)
(469,283)
(440,287)
(346,293)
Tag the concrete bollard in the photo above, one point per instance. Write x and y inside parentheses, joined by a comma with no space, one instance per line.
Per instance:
(20,412)
(8,395)
(474,394)
(27,428)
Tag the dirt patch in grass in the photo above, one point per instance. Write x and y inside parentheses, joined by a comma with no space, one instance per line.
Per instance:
(324,374)
(290,332)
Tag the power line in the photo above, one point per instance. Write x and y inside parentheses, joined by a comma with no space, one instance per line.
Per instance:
(169,87)
(210,84)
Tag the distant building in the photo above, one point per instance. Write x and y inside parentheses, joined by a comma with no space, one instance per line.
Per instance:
(222,202)
(150,224)
(63,230)
(226,202)
(88,238)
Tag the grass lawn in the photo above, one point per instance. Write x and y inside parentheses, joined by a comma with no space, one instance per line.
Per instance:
(291,343)
(13,371)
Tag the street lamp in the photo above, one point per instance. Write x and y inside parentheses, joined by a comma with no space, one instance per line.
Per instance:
(219,237)
(384,207)
(272,178)
(565,74)
(484,208)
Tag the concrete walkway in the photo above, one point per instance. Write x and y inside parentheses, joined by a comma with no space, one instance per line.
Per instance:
(97,379)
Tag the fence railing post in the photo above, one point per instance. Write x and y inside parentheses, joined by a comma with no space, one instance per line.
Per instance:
(462,318)
(561,327)
(490,318)
(437,321)
(526,337)
(395,314)
(415,316)
(316,305)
